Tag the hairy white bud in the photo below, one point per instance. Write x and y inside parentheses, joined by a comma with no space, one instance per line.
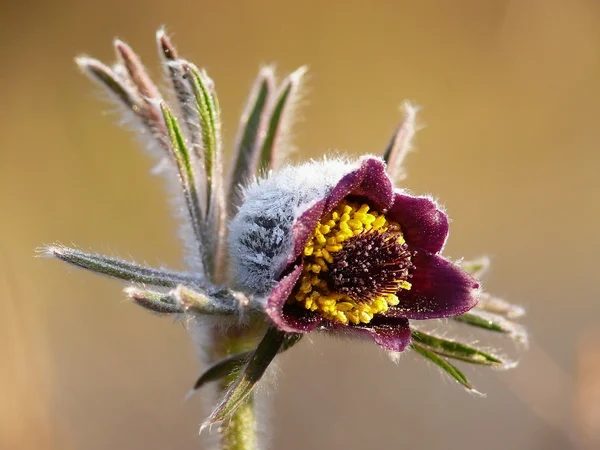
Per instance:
(260,236)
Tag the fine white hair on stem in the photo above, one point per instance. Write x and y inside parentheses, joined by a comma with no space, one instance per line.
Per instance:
(401,142)
(284,145)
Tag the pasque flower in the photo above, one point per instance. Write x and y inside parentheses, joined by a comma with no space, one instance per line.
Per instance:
(333,245)
(276,251)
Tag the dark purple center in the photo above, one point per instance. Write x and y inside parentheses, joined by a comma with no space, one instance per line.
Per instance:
(369,265)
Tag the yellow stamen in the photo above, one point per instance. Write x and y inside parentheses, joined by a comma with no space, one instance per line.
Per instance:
(348,219)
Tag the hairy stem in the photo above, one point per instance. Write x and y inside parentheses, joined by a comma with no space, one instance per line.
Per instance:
(239,431)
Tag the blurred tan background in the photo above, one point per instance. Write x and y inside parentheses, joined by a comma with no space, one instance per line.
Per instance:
(510,93)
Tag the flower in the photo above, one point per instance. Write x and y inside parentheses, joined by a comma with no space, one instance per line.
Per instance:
(332,245)
(327,245)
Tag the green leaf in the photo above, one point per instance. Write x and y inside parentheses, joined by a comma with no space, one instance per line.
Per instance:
(233,363)
(451,370)
(221,369)
(117,268)
(279,116)
(251,133)
(181,87)
(495,323)
(455,350)
(107,77)
(252,373)
(183,159)
(208,112)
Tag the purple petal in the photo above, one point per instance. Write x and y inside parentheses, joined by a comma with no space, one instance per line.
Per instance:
(293,320)
(392,333)
(370,180)
(439,289)
(422,223)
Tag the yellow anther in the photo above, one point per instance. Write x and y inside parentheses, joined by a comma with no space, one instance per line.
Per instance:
(365,317)
(327,256)
(306,287)
(379,222)
(405,285)
(341,317)
(344,306)
(393,300)
(314,293)
(353,317)
(356,224)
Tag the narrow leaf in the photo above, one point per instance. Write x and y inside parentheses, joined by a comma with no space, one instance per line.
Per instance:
(254,370)
(450,369)
(209,118)
(119,86)
(233,363)
(137,73)
(494,322)
(187,176)
(250,134)
(401,142)
(455,350)
(166,49)
(182,89)
(117,268)
(110,80)
(221,369)
(154,301)
(208,113)
(279,118)
(146,89)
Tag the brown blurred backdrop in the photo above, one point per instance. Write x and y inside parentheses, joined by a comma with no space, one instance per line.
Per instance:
(510,93)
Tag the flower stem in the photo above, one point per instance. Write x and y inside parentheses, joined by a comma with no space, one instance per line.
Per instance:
(239,431)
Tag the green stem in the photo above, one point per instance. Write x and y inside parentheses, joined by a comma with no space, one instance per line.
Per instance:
(239,432)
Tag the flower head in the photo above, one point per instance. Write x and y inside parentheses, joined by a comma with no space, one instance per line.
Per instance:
(333,245)
(328,245)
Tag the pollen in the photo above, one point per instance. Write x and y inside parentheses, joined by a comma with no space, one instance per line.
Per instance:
(355,263)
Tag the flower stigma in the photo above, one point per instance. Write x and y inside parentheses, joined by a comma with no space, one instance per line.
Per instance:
(355,263)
